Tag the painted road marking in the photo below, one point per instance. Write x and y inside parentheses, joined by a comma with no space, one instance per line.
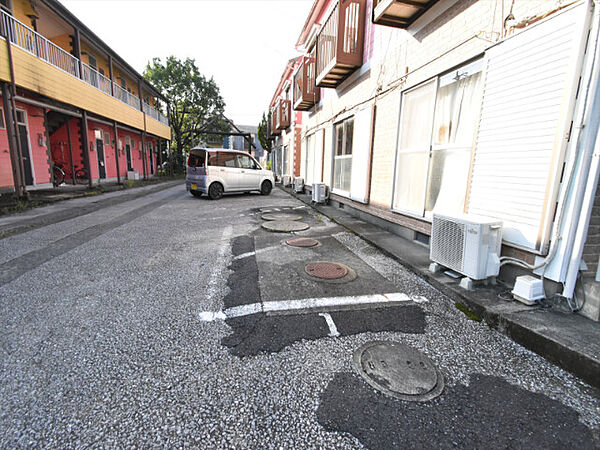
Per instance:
(309,304)
(333,331)
(211,289)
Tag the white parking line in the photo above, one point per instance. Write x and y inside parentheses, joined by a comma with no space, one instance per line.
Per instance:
(309,304)
(213,282)
(333,331)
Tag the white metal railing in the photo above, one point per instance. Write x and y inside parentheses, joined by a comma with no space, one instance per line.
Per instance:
(24,37)
(126,97)
(96,79)
(163,119)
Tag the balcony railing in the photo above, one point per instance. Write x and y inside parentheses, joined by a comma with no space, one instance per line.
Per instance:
(96,79)
(340,43)
(126,97)
(274,118)
(306,92)
(25,38)
(399,13)
(282,114)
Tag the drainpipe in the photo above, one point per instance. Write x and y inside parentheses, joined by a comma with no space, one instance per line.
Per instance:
(117,151)
(85,147)
(587,182)
(12,139)
(144,132)
(18,156)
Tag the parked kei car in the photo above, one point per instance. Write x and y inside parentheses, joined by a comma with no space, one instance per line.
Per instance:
(215,171)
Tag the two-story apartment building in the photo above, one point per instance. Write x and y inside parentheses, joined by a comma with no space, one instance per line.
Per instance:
(486,107)
(285,126)
(68,99)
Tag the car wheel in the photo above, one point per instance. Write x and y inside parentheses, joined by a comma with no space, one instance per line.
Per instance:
(265,188)
(196,193)
(215,191)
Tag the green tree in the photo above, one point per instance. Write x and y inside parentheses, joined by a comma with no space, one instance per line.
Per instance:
(263,130)
(195,101)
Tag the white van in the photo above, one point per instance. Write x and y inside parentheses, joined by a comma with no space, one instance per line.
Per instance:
(214,171)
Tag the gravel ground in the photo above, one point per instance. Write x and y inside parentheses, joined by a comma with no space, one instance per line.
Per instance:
(102,346)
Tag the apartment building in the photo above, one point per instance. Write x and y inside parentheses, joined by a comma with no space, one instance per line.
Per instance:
(285,126)
(68,99)
(488,108)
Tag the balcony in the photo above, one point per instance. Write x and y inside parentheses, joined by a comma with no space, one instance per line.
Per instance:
(306,93)
(340,43)
(282,114)
(273,130)
(32,72)
(399,13)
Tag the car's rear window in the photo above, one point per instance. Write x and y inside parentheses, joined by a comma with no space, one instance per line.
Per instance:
(222,159)
(197,158)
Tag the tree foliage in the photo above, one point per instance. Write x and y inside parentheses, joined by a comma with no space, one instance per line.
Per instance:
(194,100)
(263,131)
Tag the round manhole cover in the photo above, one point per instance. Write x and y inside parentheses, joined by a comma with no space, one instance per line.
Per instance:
(302,242)
(326,270)
(284,226)
(398,370)
(281,216)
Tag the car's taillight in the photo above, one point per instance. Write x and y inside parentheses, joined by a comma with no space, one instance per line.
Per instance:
(201,170)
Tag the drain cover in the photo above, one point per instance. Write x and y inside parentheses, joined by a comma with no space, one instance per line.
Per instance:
(326,270)
(280,216)
(302,242)
(398,370)
(284,226)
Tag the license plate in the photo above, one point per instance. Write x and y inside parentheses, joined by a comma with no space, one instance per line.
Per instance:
(194,186)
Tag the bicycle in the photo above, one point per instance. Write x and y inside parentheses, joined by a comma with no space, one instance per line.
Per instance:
(59,175)
(81,175)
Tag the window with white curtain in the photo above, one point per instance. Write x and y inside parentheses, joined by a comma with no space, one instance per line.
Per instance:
(342,160)
(309,171)
(437,127)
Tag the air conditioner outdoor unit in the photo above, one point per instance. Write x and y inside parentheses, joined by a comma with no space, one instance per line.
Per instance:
(298,184)
(469,245)
(319,192)
(286,180)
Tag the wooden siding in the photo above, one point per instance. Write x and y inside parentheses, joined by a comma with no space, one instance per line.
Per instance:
(157,128)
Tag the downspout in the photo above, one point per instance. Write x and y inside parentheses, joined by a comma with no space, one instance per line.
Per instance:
(588,181)
(22,190)
(117,151)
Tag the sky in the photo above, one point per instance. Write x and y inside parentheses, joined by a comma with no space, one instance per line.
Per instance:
(243,44)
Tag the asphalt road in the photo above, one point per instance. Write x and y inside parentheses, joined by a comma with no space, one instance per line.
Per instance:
(147,323)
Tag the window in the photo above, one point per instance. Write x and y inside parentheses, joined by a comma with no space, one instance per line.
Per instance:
(106,138)
(222,159)
(196,158)
(286,160)
(127,140)
(2,124)
(310,175)
(437,126)
(342,160)
(245,162)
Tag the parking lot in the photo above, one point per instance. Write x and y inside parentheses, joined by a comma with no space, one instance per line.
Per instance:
(172,320)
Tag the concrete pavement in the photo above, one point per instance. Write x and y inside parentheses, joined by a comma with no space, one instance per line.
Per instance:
(103,342)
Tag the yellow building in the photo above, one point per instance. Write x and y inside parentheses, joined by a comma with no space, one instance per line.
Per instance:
(68,100)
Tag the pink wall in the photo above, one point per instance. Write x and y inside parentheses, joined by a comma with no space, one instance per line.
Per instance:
(38,153)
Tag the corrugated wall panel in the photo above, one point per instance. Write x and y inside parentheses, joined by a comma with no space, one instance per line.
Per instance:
(523,111)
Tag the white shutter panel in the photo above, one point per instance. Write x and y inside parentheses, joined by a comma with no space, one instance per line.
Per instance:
(527,90)
(360,155)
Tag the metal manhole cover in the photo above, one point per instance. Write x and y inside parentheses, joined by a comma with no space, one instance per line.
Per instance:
(398,370)
(302,242)
(284,226)
(281,216)
(326,270)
